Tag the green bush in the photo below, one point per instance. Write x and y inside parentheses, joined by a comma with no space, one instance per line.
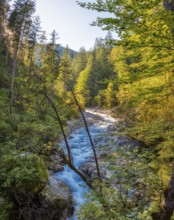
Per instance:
(23,172)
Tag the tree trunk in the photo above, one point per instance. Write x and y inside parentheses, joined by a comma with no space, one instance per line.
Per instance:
(60,123)
(71,166)
(169,5)
(67,161)
(13,76)
(167,210)
(87,129)
(89,135)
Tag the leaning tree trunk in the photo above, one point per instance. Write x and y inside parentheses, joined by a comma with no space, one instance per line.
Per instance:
(169,6)
(169,200)
(87,129)
(167,210)
(89,135)
(68,161)
(60,123)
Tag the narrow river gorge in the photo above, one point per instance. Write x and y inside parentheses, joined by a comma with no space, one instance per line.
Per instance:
(82,152)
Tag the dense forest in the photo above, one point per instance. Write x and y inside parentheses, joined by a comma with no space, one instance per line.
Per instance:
(42,89)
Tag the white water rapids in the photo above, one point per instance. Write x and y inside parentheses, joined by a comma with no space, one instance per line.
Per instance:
(82,151)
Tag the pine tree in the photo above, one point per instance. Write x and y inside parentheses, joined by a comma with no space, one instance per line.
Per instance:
(50,61)
(19,23)
(82,86)
(79,62)
(32,41)
(3,17)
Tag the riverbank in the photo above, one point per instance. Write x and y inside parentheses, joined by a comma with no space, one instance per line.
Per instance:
(81,150)
(103,129)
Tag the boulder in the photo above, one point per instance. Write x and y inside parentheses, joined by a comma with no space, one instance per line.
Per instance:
(112,128)
(56,200)
(54,160)
(53,202)
(124,141)
(105,146)
(90,171)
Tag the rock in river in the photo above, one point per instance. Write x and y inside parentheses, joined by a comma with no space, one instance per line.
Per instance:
(56,200)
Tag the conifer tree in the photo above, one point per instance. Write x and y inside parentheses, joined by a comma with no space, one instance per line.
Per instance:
(50,61)
(79,62)
(65,69)
(3,17)
(82,86)
(33,40)
(19,23)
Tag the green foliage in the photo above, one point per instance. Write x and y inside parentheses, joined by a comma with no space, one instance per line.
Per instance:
(136,76)
(28,125)
(23,172)
(127,193)
(81,88)
(79,62)
(5,207)
(143,60)
(94,84)
(107,98)
(96,211)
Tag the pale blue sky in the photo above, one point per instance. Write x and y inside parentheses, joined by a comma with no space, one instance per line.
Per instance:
(70,21)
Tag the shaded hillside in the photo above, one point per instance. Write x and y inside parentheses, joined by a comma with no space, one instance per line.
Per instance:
(60,50)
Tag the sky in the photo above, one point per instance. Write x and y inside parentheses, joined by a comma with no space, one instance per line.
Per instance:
(71,22)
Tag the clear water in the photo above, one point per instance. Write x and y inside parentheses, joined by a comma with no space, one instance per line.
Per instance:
(81,152)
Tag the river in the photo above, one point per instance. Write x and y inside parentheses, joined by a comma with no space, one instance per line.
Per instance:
(82,151)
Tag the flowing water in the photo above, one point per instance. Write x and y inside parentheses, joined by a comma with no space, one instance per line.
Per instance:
(82,151)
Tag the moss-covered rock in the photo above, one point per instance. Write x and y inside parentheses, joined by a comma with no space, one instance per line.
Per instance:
(54,160)
(56,200)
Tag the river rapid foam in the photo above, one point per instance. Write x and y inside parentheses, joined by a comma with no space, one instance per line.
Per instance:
(82,151)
